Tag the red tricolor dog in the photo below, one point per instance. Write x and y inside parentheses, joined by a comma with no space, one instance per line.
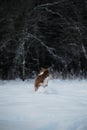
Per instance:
(42,78)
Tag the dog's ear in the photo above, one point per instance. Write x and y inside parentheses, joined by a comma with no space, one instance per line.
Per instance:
(42,69)
(48,69)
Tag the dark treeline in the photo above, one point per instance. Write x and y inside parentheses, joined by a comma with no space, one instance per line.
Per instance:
(43,33)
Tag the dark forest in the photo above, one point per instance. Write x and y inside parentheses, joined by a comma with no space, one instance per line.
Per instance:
(36,34)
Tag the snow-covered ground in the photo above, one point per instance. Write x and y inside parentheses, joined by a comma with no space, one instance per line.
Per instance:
(60,106)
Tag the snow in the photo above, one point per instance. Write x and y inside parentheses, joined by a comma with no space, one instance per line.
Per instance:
(60,106)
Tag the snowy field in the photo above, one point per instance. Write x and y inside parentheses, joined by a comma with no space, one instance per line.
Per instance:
(60,106)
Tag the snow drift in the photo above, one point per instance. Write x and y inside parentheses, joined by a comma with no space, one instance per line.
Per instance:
(60,106)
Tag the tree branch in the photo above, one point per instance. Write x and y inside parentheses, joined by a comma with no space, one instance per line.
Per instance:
(84,51)
(49,4)
(49,49)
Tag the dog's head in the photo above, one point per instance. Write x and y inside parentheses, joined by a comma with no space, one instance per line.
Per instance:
(44,71)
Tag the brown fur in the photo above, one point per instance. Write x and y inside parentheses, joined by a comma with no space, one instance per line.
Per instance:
(40,78)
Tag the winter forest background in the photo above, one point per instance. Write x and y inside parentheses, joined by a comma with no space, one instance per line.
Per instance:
(43,33)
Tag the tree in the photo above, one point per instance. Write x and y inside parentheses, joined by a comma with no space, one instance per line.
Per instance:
(42,34)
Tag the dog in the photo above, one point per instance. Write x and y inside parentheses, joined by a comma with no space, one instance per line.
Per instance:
(42,79)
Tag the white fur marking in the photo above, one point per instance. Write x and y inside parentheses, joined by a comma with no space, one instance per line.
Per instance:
(46,80)
(45,83)
(41,73)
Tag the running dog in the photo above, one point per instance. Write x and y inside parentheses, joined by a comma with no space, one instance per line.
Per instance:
(42,79)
